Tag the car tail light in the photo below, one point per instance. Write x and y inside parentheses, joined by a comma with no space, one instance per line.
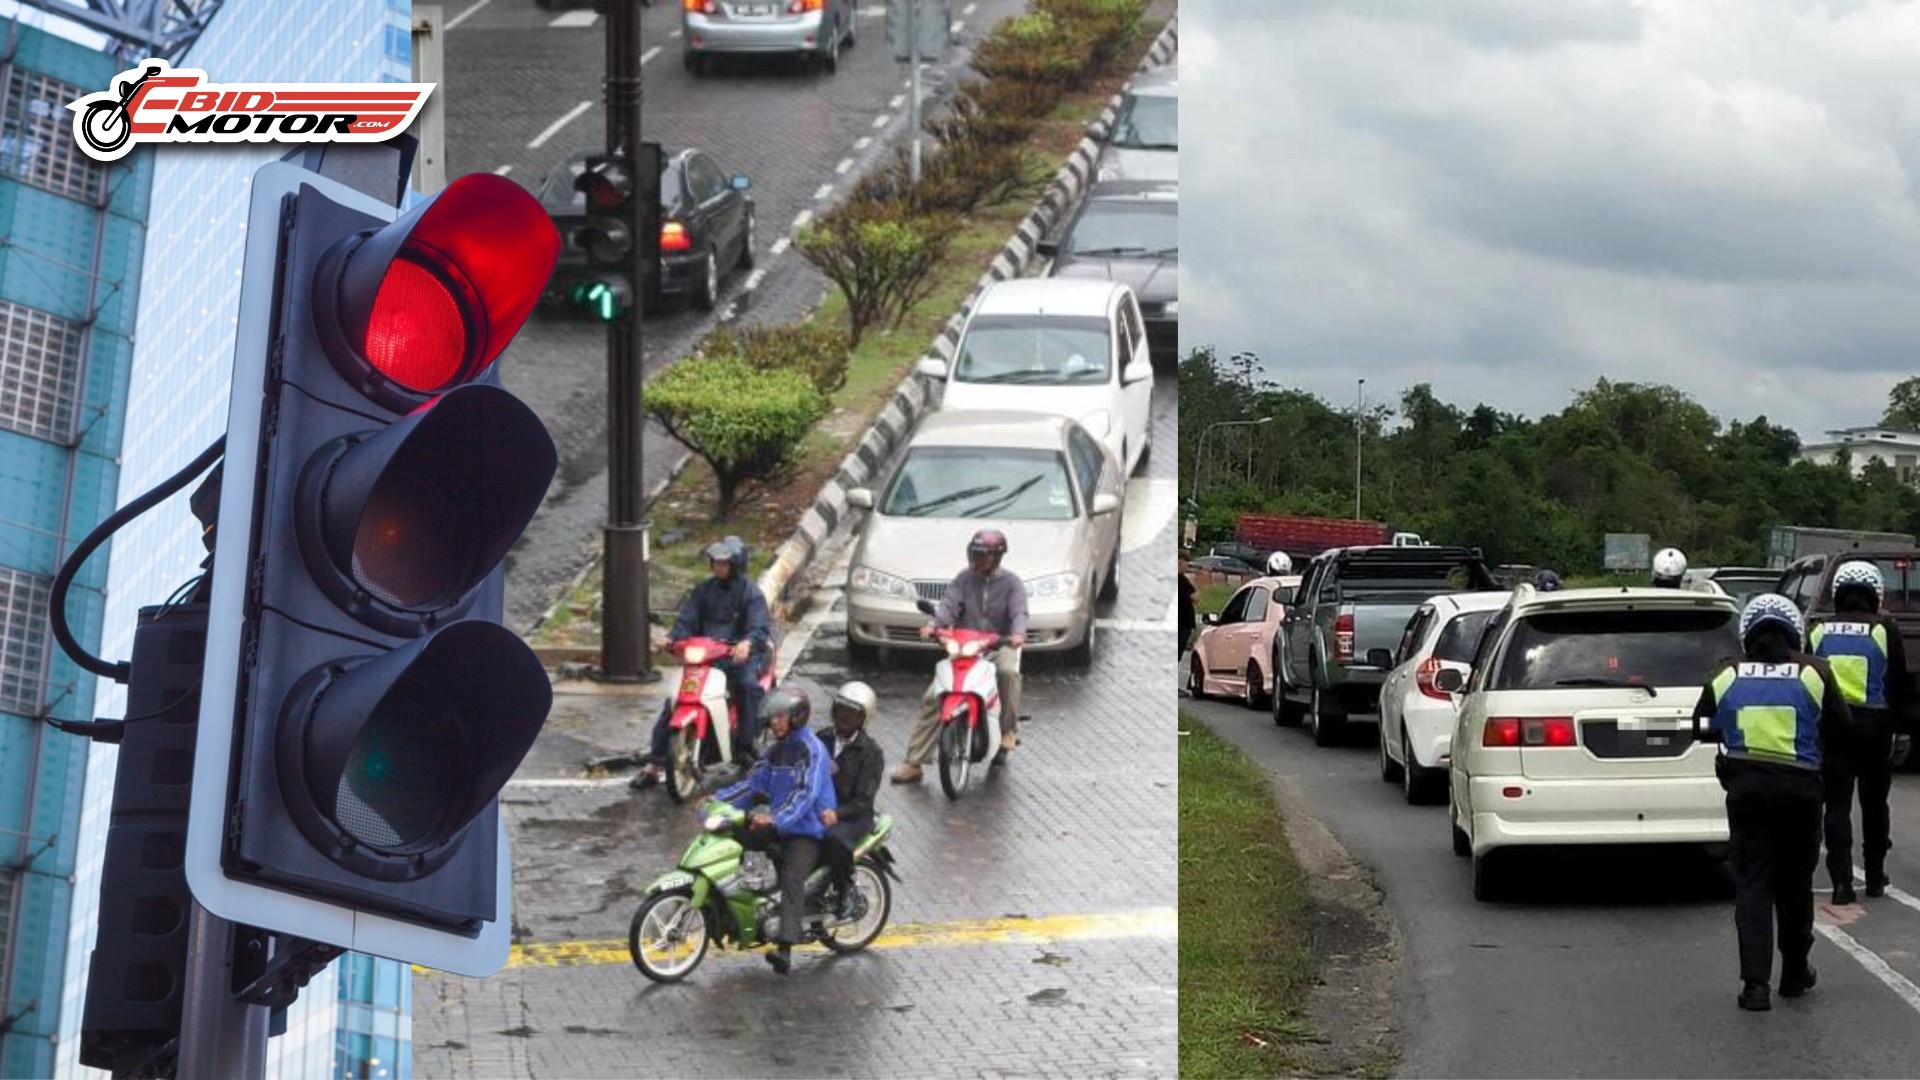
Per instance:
(1423,677)
(673,237)
(702,7)
(800,6)
(1501,731)
(1343,637)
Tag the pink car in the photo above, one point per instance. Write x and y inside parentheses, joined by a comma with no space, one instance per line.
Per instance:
(1231,655)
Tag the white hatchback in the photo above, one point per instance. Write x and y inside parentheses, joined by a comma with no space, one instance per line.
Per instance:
(1071,347)
(1416,717)
(1576,725)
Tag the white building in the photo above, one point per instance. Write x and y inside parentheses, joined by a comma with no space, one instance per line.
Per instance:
(1900,450)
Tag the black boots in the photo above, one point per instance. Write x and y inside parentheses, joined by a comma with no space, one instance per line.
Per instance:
(1876,883)
(1843,893)
(781,959)
(1792,987)
(1754,997)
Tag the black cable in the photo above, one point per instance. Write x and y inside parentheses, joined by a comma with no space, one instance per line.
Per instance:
(121,671)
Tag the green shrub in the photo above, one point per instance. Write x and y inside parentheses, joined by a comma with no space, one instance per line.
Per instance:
(743,421)
(818,350)
(964,177)
(987,112)
(1104,27)
(879,253)
(1036,49)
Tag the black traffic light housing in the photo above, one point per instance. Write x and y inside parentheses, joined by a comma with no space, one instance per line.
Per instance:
(380,705)
(621,236)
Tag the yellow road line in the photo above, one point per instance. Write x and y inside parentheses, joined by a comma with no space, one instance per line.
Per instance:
(1100,926)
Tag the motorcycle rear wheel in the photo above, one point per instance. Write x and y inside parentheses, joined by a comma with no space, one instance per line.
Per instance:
(878,892)
(663,921)
(956,757)
(683,765)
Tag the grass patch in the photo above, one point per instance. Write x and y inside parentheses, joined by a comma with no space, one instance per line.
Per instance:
(1211,598)
(1246,942)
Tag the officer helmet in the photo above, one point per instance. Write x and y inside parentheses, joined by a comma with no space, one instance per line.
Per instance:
(1279,563)
(1860,575)
(1668,565)
(1775,609)
(789,703)
(856,699)
(1546,581)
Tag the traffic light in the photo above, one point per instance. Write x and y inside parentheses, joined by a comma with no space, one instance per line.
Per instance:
(621,234)
(363,705)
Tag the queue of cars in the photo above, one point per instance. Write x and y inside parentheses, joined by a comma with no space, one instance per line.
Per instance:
(1541,718)
(1043,414)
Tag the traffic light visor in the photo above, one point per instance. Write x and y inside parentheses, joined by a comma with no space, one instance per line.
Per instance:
(431,299)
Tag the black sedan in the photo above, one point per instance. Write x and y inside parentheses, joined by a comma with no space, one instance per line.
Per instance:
(1129,231)
(706,225)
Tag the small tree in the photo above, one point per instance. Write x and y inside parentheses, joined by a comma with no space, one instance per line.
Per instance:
(743,421)
(880,255)
(815,349)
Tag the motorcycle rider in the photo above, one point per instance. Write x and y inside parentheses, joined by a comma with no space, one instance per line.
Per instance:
(1279,563)
(987,598)
(1864,649)
(786,795)
(1668,567)
(1773,711)
(1546,581)
(858,762)
(726,607)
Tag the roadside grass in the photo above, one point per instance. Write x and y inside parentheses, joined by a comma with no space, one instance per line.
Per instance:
(1211,598)
(770,509)
(1246,941)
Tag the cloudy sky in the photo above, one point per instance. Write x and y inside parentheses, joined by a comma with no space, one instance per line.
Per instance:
(1512,198)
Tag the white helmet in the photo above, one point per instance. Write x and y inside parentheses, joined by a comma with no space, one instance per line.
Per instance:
(856,695)
(1668,565)
(1771,608)
(1279,563)
(1862,574)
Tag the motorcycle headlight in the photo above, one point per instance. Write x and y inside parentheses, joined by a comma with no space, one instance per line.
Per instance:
(1054,587)
(865,579)
(693,654)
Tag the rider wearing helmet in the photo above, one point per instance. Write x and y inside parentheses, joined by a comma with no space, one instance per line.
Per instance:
(1771,710)
(787,794)
(725,607)
(987,598)
(857,765)
(1864,649)
(1668,567)
(1546,581)
(1279,563)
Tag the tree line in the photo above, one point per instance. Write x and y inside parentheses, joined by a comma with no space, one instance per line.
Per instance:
(1621,457)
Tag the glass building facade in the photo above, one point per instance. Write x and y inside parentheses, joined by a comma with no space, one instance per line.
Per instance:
(355,1019)
(72,233)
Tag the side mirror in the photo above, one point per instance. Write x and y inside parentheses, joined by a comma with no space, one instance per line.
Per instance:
(1049,247)
(1105,503)
(1138,371)
(1211,619)
(1449,680)
(740,182)
(931,368)
(860,498)
(1380,658)
(925,607)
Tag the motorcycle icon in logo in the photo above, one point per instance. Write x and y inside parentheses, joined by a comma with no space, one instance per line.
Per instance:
(105,126)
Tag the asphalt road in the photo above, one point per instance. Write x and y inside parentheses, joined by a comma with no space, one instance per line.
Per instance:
(1071,847)
(523,91)
(1618,962)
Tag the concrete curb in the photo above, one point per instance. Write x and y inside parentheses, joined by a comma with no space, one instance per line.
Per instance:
(896,421)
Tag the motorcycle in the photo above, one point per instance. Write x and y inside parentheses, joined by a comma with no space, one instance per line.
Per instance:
(967,687)
(722,894)
(698,739)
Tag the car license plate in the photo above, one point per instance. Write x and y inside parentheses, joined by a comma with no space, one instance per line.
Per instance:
(754,10)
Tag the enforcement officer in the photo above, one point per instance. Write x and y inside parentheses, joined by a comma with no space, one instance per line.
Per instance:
(1869,662)
(1773,711)
(1669,566)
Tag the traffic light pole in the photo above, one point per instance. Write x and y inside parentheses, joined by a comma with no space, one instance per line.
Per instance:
(220,1035)
(625,641)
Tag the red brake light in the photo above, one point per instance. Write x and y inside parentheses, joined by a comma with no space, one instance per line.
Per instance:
(700,7)
(673,237)
(1501,731)
(417,334)
(1343,637)
(799,6)
(1423,677)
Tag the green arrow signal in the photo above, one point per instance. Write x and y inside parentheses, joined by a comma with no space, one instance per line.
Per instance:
(604,299)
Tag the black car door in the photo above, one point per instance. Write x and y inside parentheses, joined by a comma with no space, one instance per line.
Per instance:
(720,208)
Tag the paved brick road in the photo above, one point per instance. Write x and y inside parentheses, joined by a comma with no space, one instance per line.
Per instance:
(1082,823)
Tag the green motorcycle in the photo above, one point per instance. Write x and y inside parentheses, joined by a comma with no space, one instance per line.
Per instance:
(722,893)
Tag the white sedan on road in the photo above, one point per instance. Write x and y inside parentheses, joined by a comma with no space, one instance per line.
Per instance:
(1416,717)
(1071,347)
(1576,725)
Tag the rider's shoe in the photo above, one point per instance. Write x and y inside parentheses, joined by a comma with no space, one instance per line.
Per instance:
(648,776)
(1009,741)
(845,905)
(907,773)
(781,958)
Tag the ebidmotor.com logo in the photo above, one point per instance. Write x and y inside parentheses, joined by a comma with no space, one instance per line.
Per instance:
(157,103)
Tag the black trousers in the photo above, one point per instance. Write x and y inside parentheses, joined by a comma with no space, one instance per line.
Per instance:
(1773,813)
(842,838)
(1859,762)
(797,855)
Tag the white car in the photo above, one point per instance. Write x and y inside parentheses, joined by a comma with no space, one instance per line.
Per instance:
(1416,717)
(1576,725)
(1072,347)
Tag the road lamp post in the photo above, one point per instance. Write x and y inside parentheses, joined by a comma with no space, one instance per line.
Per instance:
(1200,455)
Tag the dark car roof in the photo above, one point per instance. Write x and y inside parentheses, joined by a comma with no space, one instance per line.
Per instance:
(558,196)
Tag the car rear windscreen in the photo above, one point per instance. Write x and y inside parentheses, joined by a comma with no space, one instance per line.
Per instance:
(1457,641)
(1648,647)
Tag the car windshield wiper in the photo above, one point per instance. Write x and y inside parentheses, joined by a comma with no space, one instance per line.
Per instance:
(1165,252)
(1107,252)
(920,509)
(1003,500)
(1014,377)
(1619,683)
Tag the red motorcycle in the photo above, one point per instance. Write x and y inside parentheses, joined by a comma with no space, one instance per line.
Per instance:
(705,718)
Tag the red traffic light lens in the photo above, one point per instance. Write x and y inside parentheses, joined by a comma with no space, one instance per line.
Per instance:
(401,549)
(417,334)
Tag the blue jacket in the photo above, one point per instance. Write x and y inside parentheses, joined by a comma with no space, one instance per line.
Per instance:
(733,610)
(797,778)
